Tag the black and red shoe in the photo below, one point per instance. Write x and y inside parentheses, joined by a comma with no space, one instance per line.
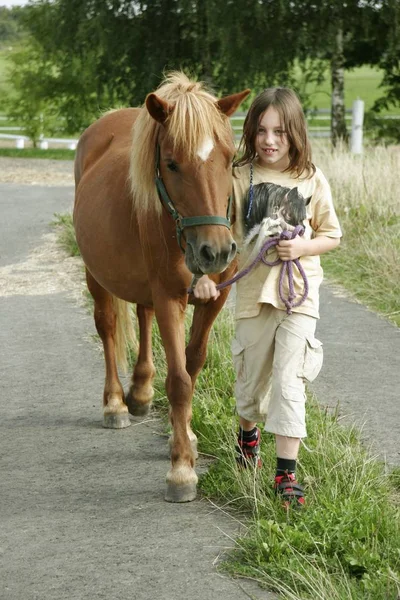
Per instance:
(248,453)
(289,490)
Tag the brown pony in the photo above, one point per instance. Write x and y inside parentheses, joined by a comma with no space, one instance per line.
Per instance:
(152,209)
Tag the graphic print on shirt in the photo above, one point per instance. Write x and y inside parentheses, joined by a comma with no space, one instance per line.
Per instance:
(272,200)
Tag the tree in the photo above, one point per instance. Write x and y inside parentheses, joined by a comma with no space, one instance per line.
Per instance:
(9,25)
(113,51)
(348,34)
(28,106)
(389,60)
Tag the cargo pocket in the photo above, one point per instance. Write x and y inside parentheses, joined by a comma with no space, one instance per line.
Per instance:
(313,358)
(238,359)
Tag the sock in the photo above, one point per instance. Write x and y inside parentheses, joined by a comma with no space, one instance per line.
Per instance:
(248,436)
(284,465)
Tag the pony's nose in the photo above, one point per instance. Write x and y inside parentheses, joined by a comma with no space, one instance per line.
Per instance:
(210,257)
(207,253)
(232,253)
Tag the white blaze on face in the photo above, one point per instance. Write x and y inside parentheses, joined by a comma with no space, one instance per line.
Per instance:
(205,148)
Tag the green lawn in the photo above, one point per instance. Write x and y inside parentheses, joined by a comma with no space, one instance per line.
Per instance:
(362,83)
(53,153)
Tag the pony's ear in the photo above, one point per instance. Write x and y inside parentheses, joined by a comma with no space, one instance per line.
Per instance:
(230,104)
(158,108)
(308,200)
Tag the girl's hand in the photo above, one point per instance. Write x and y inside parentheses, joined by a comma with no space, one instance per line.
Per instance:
(292,249)
(206,288)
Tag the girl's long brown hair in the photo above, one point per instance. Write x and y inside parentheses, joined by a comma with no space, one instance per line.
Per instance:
(286,102)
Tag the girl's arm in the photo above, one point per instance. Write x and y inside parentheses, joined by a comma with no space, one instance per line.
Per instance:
(292,249)
(206,288)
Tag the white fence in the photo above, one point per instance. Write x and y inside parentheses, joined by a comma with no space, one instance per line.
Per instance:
(21,139)
(43,143)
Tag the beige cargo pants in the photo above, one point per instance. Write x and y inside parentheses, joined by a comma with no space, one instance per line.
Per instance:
(274,353)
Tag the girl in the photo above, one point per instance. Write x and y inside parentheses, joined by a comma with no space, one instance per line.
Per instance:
(275,352)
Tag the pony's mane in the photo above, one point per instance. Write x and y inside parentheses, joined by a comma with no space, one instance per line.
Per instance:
(195,117)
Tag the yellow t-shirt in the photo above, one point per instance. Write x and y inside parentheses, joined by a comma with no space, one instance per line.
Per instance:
(261,285)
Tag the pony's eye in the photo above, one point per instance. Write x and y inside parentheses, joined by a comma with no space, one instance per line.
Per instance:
(172,166)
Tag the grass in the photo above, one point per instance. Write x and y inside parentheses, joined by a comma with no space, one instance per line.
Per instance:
(362,82)
(52,153)
(66,233)
(366,198)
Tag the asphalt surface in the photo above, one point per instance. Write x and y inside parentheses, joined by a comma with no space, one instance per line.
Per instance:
(361,372)
(82,509)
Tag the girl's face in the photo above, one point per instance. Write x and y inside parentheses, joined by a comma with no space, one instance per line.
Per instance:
(271,143)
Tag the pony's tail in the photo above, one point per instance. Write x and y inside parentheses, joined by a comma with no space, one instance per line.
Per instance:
(125,336)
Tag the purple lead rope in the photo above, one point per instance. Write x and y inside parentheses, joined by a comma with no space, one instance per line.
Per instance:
(286,268)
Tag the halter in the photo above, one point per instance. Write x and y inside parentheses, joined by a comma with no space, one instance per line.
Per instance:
(182,222)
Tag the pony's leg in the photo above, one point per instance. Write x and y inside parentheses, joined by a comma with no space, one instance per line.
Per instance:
(181,478)
(204,316)
(141,391)
(116,414)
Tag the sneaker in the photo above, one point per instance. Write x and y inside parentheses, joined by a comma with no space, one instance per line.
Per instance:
(248,453)
(289,490)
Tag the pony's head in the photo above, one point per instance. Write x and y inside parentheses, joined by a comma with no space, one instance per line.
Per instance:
(192,131)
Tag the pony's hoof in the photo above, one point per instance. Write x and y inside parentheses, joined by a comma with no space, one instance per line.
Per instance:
(116,421)
(136,409)
(181,493)
(138,400)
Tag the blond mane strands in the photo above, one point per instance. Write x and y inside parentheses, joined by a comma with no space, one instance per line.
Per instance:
(195,117)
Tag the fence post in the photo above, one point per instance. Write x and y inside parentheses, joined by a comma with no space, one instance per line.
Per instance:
(356,140)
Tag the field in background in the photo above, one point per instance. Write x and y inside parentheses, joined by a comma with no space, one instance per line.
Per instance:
(362,83)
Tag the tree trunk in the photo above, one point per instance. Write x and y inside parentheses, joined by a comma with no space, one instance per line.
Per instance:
(338,111)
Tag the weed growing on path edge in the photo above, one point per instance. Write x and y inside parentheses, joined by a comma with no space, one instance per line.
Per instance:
(66,233)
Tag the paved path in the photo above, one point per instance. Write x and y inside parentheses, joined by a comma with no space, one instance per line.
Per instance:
(82,509)
(361,371)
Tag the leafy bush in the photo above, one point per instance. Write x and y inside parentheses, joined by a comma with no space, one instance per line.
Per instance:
(382,130)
